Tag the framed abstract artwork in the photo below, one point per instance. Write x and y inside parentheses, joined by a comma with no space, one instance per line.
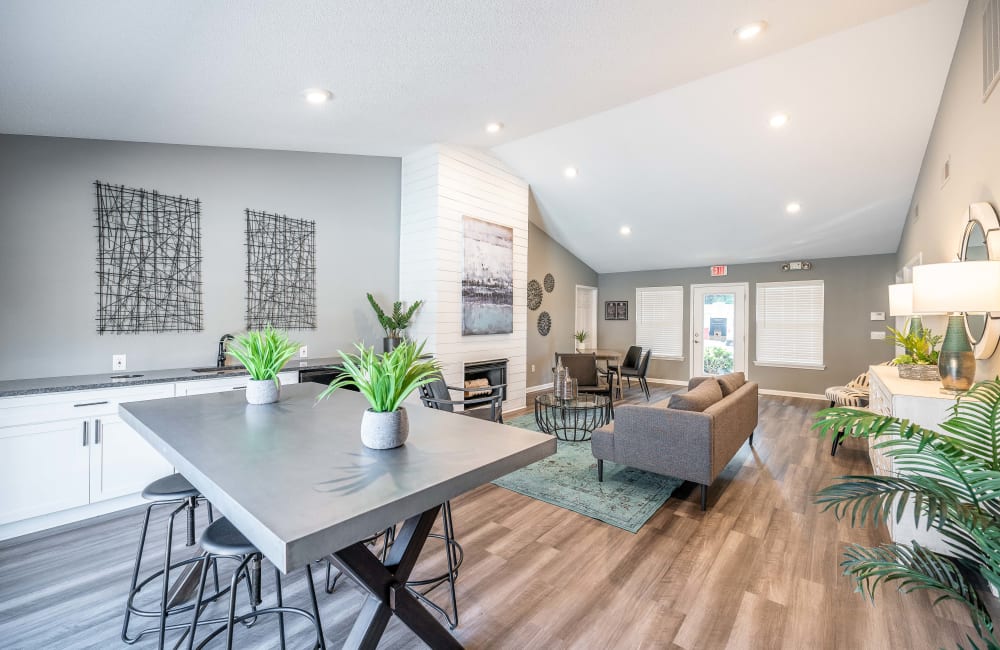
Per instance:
(487,278)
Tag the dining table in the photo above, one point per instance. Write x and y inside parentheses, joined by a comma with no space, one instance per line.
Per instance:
(296,481)
(610,357)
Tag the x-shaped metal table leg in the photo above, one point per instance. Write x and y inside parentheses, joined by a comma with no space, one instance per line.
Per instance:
(386,585)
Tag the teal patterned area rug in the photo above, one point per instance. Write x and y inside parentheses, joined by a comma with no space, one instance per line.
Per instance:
(627,498)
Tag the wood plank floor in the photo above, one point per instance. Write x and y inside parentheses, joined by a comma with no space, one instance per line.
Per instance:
(758,570)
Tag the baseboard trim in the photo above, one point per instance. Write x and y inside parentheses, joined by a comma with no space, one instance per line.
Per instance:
(535,389)
(790,393)
(77,515)
(669,382)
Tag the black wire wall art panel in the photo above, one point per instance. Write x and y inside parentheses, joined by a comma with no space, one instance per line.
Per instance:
(281,271)
(148,261)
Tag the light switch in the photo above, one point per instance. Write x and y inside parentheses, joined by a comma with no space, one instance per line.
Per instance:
(878,336)
(878,315)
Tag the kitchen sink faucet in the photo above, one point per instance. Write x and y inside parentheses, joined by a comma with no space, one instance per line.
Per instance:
(220,361)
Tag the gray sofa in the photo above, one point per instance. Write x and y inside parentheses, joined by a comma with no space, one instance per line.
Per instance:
(692,438)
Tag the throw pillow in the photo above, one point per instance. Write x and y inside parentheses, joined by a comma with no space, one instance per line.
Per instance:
(698,398)
(729,383)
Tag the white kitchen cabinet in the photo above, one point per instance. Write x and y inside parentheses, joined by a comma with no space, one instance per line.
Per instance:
(43,468)
(222,384)
(121,461)
(923,403)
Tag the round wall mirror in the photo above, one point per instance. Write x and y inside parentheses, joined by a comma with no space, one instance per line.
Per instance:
(981,241)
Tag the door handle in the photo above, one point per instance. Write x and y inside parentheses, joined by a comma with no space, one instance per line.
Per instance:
(97,431)
(86,432)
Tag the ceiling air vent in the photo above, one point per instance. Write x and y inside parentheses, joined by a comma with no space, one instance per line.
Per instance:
(991,47)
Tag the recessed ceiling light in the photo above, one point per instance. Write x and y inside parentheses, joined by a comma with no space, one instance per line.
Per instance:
(750,30)
(779,120)
(317,95)
(793,208)
(571,172)
(494,127)
(625,230)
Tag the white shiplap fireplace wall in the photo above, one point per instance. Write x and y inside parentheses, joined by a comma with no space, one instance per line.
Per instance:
(440,185)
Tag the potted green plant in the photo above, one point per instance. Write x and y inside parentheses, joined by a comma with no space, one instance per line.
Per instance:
(394,324)
(580,337)
(385,380)
(951,479)
(920,358)
(264,353)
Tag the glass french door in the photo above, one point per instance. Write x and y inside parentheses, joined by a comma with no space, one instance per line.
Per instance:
(718,328)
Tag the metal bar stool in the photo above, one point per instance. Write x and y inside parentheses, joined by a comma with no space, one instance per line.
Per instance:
(173,490)
(221,540)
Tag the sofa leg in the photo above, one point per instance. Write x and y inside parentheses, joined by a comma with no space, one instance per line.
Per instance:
(751,438)
(600,470)
(704,498)
(837,438)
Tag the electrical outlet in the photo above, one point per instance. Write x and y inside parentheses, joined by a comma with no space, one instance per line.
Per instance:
(118,362)
(304,351)
(532,367)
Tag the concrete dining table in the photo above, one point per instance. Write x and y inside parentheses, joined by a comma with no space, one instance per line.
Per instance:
(295,479)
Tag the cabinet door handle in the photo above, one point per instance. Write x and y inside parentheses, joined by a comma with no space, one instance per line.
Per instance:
(97,431)
(239,387)
(86,433)
(90,404)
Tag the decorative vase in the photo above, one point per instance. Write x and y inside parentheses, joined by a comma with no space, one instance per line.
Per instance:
(262,391)
(389,343)
(956,361)
(386,430)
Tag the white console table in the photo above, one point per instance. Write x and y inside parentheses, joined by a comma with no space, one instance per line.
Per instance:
(923,403)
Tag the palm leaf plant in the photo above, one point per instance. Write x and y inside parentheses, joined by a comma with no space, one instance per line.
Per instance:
(947,480)
(264,353)
(385,379)
(400,318)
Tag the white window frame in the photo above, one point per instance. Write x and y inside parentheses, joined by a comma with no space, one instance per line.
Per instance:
(804,365)
(674,293)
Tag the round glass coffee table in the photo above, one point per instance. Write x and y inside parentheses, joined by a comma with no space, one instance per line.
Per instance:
(574,419)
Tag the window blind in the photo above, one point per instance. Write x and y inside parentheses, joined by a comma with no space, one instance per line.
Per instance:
(790,323)
(659,320)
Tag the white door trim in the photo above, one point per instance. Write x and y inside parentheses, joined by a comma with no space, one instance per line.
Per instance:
(720,286)
(591,342)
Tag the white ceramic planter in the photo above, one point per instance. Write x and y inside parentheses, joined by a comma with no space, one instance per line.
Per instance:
(262,391)
(384,430)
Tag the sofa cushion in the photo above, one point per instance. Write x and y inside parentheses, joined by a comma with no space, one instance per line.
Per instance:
(729,383)
(698,398)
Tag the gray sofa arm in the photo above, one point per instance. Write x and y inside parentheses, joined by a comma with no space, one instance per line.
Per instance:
(666,441)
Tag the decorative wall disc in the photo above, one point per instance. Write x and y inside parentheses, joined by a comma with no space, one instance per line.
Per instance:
(550,282)
(534,295)
(544,323)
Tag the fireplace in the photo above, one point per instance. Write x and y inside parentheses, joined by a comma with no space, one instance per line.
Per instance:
(494,371)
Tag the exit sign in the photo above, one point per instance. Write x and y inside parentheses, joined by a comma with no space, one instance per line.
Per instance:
(720,270)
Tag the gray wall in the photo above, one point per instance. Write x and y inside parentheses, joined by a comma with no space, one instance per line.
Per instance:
(545,255)
(48,245)
(968,131)
(853,288)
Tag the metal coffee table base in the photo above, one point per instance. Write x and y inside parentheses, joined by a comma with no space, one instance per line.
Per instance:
(572,423)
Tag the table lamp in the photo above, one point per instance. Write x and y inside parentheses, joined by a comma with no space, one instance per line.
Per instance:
(901,304)
(956,287)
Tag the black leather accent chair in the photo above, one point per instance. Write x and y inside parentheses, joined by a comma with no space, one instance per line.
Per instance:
(489,406)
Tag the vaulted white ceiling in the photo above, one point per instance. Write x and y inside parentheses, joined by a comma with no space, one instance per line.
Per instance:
(701,178)
(661,108)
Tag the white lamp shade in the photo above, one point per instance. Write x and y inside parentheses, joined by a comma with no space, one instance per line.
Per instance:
(956,286)
(901,299)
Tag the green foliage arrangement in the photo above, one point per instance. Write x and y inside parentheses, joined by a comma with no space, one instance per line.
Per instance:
(718,360)
(385,379)
(398,321)
(950,478)
(264,353)
(580,336)
(919,347)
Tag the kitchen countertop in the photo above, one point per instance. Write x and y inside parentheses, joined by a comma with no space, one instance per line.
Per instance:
(18,387)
